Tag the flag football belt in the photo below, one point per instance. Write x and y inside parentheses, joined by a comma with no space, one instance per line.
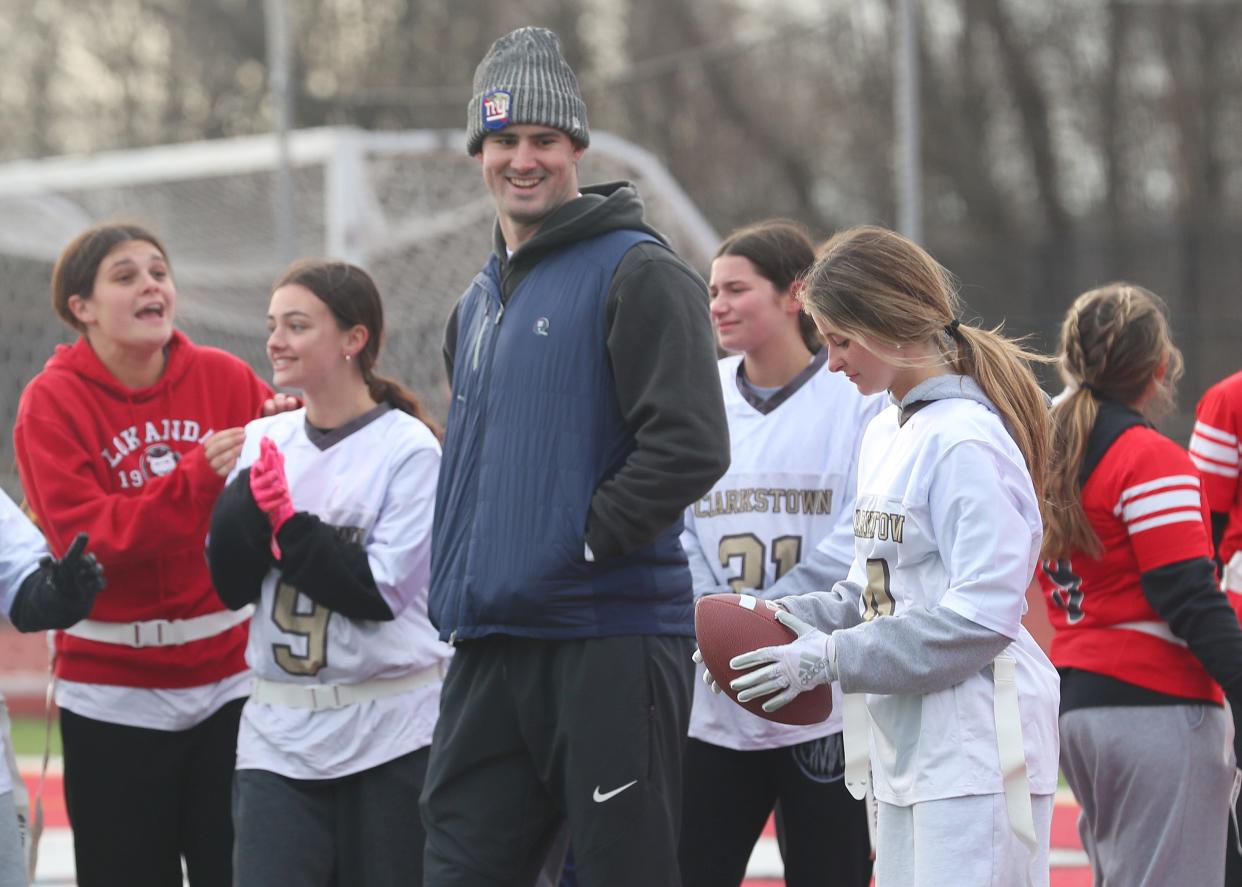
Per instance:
(1231,576)
(1154,629)
(160,632)
(318,697)
(856,734)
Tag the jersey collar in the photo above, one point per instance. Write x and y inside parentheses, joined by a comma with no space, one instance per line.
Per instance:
(768,404)
(1113,420)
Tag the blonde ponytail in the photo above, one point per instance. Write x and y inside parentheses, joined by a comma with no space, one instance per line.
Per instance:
(1002,369)
(879,287)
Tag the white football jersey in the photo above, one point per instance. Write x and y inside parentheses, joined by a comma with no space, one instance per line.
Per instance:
(946,516)
(21,547)
(789,489)
(375,484)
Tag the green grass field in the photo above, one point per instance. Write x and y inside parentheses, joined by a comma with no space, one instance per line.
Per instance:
(28,736)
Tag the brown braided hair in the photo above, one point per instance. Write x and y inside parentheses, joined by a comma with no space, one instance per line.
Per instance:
(1114,340)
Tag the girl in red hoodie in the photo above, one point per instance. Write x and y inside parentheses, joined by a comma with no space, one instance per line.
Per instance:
(128,435)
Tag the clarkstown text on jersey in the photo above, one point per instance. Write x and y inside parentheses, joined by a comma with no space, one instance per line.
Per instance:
(751,499)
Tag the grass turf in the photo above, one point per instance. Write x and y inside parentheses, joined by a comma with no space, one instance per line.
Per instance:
(28,736)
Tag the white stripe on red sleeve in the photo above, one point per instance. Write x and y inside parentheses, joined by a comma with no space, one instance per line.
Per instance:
(1215,451)
(1160,502)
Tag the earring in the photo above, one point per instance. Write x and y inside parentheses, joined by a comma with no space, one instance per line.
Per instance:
(347,356)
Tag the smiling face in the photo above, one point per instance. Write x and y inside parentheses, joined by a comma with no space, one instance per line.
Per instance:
(132,300)
(747,310)
(531,172)
(306,345)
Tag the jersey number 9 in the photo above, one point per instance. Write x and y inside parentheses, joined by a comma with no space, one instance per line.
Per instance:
(312,625)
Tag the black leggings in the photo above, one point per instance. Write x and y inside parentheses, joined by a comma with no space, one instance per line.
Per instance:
(139,800)
(730,794)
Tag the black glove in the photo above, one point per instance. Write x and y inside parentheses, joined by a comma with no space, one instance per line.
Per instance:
(59,593)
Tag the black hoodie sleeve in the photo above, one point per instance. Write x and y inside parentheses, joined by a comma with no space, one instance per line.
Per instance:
(663,356)
(1186,595)
(449,348)
(238,552)
(330,571)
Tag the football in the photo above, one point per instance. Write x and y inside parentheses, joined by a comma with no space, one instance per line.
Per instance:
(727,625)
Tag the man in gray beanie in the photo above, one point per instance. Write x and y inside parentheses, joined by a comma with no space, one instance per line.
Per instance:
(586,415)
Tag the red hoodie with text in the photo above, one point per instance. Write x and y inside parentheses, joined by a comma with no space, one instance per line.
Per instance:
(127,466)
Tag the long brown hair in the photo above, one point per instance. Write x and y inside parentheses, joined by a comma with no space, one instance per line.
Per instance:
(353,298)
(78,263)
(874,285)
(781,251)
(1114,340)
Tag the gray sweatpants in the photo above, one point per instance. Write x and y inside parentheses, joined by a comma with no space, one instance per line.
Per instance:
(1154,783)
(12,857)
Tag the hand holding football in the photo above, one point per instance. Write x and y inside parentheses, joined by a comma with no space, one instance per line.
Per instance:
(728,625)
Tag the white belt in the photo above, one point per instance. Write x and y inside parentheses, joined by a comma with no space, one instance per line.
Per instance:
(1231,576)
(318,697)
(160,632)
(856,734)
(1012,753)
(1155,629)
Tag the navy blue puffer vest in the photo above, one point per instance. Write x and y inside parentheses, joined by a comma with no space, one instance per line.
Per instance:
(534,427)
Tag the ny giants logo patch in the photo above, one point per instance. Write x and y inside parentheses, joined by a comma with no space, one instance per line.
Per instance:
(495,108)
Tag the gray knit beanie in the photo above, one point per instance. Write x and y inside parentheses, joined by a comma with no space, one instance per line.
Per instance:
(525,79)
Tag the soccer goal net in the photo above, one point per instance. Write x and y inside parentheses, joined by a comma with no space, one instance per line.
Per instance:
(410,207)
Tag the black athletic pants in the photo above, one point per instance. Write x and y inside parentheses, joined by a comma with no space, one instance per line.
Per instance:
(360,830)
(730,794)
(534,733)
(139,800)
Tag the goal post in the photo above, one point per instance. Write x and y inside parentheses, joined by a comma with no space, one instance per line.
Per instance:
(410,207)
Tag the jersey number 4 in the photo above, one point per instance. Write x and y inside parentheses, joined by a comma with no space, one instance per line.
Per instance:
(749,549)
(877,596)
(313,626)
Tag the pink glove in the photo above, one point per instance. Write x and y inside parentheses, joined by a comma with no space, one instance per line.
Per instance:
(270,488)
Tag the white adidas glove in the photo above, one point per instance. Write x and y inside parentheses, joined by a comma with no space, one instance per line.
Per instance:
(788,669)
(707,675)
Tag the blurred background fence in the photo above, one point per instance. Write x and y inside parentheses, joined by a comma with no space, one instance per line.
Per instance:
(1063,144)
(409,207)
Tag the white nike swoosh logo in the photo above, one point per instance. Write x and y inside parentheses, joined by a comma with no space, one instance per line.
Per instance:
(601,797)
